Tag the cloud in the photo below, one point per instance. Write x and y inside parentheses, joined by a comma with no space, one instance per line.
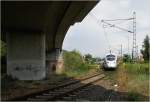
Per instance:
(89,37)
(125,3)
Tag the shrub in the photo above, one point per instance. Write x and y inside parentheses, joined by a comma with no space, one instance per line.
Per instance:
(72,60)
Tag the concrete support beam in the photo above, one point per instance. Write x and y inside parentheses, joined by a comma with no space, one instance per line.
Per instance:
(54,62)
(26,46)
(26,55)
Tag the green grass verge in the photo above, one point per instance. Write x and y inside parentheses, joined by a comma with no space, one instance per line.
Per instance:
(80,71)
(138,68)
(138,80)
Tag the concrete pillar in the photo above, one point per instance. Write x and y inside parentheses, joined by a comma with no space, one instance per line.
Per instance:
(26,56)
(54,62)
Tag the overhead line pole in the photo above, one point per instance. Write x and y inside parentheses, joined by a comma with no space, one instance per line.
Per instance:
(134,38)
(134,48)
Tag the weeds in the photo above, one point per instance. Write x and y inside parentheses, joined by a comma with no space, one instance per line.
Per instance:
(138,68)
(133,79)
(80,71)
(138,80)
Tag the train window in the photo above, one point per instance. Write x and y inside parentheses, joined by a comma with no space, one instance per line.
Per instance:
(110,58)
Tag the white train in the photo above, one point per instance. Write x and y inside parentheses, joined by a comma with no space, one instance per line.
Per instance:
(110,61)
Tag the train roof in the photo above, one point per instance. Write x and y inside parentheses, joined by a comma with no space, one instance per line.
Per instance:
(111,54)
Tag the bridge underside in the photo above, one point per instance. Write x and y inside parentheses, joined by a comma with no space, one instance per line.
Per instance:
(34,32)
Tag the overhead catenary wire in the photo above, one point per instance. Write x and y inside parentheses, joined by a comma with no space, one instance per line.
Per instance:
(120,19)
(113,25)
(106,37)
(95,18)
(106,24)
(105,33)
(134,48)
(99,22)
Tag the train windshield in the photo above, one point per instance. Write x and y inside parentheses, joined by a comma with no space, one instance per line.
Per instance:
(110,57)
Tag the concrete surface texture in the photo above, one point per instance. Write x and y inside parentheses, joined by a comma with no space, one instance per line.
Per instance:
(29,24)
(26,56)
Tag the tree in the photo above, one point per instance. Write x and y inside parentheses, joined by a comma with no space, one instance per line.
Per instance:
(88,58)
(126,58)
(72,59)
(145,48)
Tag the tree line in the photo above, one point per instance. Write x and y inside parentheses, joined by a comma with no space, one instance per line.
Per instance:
(145,51)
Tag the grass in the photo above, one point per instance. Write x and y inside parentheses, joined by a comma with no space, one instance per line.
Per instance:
(138,80)
(133,79)
(138,68)
(138,72)
(80,71)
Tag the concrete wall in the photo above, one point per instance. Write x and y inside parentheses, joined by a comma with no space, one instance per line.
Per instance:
(26,51)
(26,56)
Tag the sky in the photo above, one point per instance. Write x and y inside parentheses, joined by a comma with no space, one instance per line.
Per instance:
(89,36)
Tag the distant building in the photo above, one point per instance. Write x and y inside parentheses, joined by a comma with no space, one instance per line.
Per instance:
(140,57)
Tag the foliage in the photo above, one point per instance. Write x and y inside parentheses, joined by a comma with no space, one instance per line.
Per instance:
(74,64)
(132,78)
(138,80)
(72,59)
(91,60)
(88,58)
(126,58)
(83,69)
(146,51)
(138,68)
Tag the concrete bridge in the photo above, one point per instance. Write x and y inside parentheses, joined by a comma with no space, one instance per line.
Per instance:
(34,32)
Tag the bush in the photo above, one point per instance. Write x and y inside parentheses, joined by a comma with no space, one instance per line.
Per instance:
(126,58)
(72,60)
(74,64)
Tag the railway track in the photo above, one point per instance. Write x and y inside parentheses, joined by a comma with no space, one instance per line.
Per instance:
(61,92)
(109,95)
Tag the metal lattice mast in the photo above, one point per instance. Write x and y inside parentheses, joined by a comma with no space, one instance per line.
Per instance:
(134,38)
(134,48)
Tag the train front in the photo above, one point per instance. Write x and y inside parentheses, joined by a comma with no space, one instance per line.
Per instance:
(110,61)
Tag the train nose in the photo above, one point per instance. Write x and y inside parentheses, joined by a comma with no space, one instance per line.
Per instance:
(111,64)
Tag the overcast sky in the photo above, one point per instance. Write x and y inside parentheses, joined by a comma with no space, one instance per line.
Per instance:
(88,36)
